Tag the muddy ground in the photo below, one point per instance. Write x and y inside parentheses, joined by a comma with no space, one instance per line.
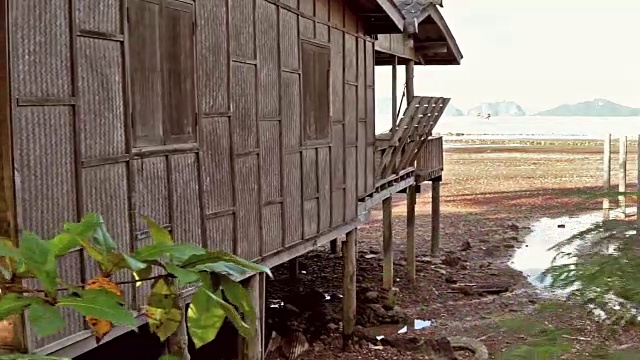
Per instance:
(490,196)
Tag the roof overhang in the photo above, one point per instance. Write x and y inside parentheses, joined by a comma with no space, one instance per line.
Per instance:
(379,16)
(433,41)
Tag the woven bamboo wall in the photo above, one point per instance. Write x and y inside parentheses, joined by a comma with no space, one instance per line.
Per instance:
(250,185)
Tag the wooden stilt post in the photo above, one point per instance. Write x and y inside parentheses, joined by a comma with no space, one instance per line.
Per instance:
(394,93)
(293,268)
(411,224)
(387,245)
(606,207)
(435,215)
(622,185)
(409,71)
(349,288)
(638,191)
(333,246)
(178,343)
(252,348)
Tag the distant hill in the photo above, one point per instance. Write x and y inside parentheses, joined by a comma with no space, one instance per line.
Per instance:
(452,111)
(501,108)
(596,108)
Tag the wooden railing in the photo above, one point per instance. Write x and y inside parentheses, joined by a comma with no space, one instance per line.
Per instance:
(430,161)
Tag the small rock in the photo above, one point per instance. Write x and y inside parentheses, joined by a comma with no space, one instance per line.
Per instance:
(392,297)
(561,226)
(333,327)
(465,246)
(370,256)
(508,246)
(371,295)
(451,260)
(512,238)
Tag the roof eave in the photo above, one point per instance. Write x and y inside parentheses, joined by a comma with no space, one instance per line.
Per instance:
(432,11)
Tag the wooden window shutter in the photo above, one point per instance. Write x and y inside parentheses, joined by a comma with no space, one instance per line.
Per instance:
(145,72)
(178,67)
(308,90)
(316,72)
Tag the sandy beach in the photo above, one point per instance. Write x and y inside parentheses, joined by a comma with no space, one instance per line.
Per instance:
(492,192)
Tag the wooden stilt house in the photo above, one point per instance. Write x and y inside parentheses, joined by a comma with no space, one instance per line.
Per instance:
(244,125)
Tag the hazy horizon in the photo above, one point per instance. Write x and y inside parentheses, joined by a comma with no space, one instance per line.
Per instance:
(539,54)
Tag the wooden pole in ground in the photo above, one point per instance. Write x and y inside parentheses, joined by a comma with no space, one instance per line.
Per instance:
(394,93)
(387,245)
(294,268)
(178,343)
(435,215)
(333,246)
(409,71)
(607,177)
(252,348)
(622,186)
(638,191)
(349,288)
(411,224)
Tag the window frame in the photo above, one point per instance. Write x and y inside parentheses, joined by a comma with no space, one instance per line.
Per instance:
(139,143)
(318,47)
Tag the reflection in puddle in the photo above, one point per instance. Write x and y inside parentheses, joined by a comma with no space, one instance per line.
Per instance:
(387,330)
(534,256)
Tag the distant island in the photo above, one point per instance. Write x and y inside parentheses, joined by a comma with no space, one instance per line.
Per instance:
(595,108)
(452,111)
(501,108)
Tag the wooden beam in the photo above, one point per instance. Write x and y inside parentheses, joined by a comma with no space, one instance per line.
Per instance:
(252,349)
(387,245)
(394,93)
(435,216)
(606,207)
(411,223)
(349,288)
(409,71)
(622,167)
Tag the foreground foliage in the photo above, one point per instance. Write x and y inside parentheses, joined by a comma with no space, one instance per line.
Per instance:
(168,267)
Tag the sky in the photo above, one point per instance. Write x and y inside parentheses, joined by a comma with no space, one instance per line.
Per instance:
(538,53)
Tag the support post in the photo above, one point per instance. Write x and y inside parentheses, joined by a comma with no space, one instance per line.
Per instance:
(387,245)
(333,246)
(394,93)
(622,185)
(411,224)
(638,191)
(606,207)
(435,215)
(293,268)
(178,343)
(349,288)
(409,71)
(252,348)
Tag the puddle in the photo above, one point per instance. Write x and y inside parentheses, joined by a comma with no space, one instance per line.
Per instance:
(388,330)
(534,256)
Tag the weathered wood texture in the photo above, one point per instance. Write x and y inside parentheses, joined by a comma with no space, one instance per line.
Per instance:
(396,44)
(606,167)
(235,163)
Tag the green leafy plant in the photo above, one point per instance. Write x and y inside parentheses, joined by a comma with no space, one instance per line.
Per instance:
(167,265)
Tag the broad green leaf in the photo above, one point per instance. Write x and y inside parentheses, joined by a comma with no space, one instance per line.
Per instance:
(163,311)
(45,318)
(63,243)
(184,276)
(159,234)
(12,304)
(223,268)
(102,238)
(177,252)
(220,256)
(40,260)
(204,317)
(238,296)
(124,261)
(99,256)
(99,303)
(231,313)
(86,227)
(142,274)
(7,249)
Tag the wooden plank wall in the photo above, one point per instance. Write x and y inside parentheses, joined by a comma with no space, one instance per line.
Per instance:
(250,185)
